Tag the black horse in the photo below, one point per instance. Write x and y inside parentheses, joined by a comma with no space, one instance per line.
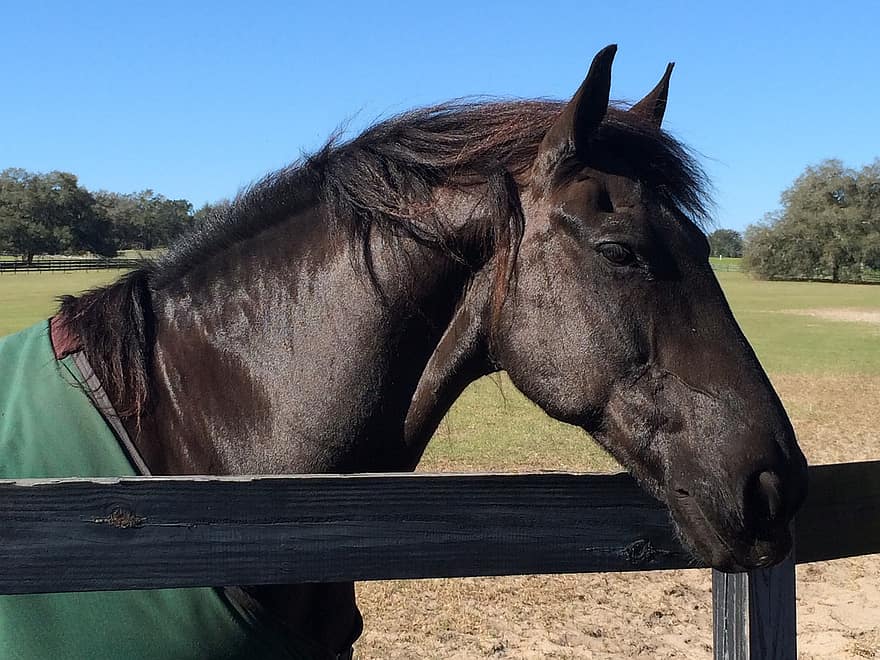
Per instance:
(328,319)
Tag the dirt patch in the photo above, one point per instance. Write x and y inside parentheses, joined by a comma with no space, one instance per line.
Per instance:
(836,418)
(839,314)
(659,614)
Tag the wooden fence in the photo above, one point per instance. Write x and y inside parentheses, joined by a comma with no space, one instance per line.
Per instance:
(41,264)
(44,265)
(139,533)
(61,265)
(725,266)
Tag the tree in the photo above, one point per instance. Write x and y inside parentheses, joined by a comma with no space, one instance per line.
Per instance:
(726,243)
(145,220)
(24,228)
(121,212)
(50,214)
(828,227)
(166,220)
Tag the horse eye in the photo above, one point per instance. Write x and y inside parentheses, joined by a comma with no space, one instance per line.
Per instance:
(616,253)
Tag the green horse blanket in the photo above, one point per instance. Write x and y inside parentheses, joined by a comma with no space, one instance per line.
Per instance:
(49,427)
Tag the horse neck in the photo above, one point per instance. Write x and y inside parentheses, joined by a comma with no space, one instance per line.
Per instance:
(288,358)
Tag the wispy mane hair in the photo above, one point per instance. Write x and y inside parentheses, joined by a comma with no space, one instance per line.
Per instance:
(387,177)
(389,173)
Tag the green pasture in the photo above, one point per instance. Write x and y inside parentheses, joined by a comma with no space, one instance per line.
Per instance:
(780,322)
(725,263)
(494,426)
(25,298)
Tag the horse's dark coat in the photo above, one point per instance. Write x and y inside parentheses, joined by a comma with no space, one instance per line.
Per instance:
(327,320)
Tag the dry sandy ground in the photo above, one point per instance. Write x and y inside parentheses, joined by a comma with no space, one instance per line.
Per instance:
(840,314)
(644,615)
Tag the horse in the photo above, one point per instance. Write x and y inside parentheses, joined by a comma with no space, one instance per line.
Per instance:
(329,317)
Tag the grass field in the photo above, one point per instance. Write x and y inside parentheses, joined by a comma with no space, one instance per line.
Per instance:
(791,325)
(726,263)
(25,298)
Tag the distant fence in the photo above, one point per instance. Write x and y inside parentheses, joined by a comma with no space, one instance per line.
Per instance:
(725,266)
(143,533)
(866,277)
(38,265)
(43,265)
(48,265)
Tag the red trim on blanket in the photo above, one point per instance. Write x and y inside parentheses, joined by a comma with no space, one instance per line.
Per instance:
(64,341)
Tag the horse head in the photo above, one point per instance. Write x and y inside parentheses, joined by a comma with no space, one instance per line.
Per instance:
(615,322)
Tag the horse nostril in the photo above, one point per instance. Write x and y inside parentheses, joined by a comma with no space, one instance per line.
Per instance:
(765,498)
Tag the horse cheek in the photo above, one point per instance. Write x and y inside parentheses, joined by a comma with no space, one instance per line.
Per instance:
(551,351)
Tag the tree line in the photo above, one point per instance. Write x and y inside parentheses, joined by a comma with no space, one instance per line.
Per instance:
(51,213)
(828,228)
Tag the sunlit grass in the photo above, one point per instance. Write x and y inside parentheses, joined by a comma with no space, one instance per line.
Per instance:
(492,425)
(799,344)
(27,297)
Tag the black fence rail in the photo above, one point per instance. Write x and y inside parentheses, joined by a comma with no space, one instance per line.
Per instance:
(146,533)
(725,266)
(865,276)
(44,265)
(59,265)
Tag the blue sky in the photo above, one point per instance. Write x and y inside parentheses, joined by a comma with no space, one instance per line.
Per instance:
(196,100)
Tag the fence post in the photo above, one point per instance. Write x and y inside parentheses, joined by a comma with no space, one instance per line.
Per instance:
(730,602)
(773,613)
(754,614)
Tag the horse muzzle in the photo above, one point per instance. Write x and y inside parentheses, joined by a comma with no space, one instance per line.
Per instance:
(742,532)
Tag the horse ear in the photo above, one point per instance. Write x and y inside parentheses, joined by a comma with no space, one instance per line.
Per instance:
(583,114)
(653,106)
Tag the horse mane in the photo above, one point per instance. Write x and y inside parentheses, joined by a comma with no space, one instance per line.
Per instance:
(385,177)
(116,327)
(389,173)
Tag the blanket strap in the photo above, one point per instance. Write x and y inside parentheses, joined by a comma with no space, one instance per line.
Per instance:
(66,343)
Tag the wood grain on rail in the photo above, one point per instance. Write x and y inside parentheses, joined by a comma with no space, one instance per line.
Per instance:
(82,535)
